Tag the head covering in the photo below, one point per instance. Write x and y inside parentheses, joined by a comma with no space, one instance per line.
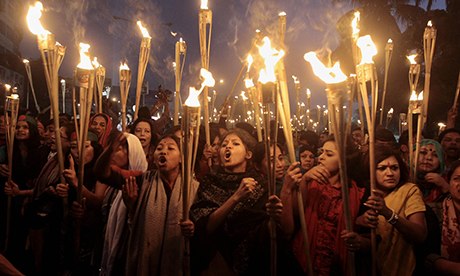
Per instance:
(439,152)
(108,127)
(136,155)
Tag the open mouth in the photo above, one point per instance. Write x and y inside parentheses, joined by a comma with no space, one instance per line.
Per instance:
(227,154)
(162,160)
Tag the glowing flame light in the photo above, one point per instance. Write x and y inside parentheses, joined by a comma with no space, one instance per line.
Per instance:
(144,31)
(248,83)
(390,41)
(85,60)
(204,4)
(354,23)
(192,99)
(95,63)
(420,96)
(124,66)
(308,93)
(33,20)
(208,79)
(14,96)
(328,75)
(411,59)
(429,24)
(25,61)
(271,58)
(249,60)
(390,112)
(296,80)
(368,49)
(413,96)
(243,96)
(282,14)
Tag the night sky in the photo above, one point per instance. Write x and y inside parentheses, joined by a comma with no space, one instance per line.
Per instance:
(109,27)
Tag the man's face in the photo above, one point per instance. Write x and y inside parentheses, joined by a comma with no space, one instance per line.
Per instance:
(451,145)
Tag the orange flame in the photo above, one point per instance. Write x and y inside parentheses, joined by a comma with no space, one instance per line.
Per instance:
(208,79)
(249,60)
(124,66)
(368,49)
(248,83)
(33,20)
(271,58)
(328,75)
(354,24)
(414,97)
(411,58)
(420,96)
(204,4)
(296,80)
(95,63)
(144,31)
(243,96)
(85,60)
(192,99)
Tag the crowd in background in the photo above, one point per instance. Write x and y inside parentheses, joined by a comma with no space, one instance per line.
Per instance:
(130,220)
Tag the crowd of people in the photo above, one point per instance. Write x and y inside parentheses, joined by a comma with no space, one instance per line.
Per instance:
(130,220)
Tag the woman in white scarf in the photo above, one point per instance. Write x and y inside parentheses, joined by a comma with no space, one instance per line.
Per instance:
(156,241)
(128,159)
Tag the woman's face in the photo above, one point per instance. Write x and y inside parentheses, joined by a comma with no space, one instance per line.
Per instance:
(120,154)
(99,125)
(22,130)
(388,174)
(278,160)
(428,160)
(329,157)
(167,155)
(89,151)
(143,132)
(233,154)
(455,185)
(307,160)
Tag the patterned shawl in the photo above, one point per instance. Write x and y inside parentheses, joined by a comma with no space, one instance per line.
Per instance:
(450,240)
(156,244)
(242,228)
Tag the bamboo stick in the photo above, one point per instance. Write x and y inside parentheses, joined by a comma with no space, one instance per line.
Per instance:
(11,105)
(388,55)
(125,83)
(144,53)
(429,42)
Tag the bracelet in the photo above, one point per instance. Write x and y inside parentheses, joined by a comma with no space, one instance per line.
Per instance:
(394,218)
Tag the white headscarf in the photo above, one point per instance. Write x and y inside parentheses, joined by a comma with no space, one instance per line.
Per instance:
(136,155)
(118,214)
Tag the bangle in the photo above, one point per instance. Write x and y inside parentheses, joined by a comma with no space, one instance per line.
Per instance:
(394,218)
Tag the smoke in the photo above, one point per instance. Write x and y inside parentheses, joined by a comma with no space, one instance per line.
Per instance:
(74,13)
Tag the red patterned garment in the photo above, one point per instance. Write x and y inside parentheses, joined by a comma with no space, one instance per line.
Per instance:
(450,241)
(325,220)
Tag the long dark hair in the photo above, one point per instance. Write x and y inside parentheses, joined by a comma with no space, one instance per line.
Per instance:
(153,135)
(352,156)
(248,140)
(383,152)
